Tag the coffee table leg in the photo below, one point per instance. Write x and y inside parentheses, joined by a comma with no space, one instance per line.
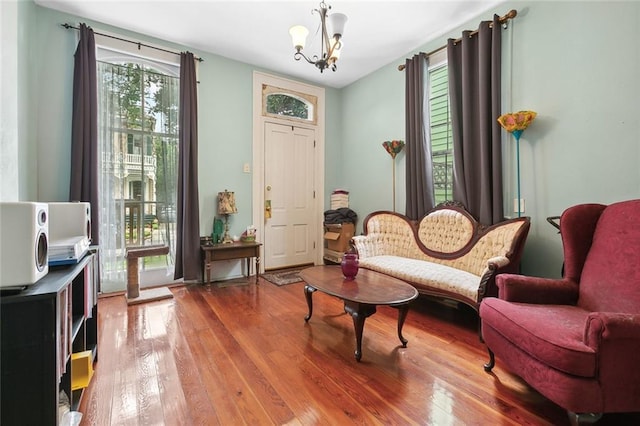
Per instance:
(359,312)
(402,315)
(358,325)
(308,292)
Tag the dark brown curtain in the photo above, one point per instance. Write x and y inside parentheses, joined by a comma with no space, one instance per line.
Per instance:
(84,128)
(419,169)
(188,207)
(474,89)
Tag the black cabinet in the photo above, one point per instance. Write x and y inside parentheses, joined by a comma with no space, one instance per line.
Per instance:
(41,327)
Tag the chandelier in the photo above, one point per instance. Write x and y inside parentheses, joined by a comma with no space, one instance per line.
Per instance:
(331,47)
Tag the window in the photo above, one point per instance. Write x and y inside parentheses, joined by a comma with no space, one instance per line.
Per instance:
(289,105)
(282,104)
(138,143)
(440,132)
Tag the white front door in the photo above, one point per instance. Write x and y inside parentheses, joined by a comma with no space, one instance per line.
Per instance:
(289,188)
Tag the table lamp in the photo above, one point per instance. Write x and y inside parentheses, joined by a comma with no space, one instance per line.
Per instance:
(226,206)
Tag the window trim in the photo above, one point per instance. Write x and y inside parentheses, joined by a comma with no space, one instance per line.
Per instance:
(115,51)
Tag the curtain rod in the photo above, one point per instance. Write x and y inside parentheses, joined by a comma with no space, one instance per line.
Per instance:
(503,19)
(71,27)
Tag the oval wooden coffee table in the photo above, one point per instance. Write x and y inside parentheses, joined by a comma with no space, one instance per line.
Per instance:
(361,295)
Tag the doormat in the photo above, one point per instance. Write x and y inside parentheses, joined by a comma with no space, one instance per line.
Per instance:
(285,277)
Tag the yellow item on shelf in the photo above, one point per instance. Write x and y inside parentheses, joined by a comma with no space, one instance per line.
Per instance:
(81,369)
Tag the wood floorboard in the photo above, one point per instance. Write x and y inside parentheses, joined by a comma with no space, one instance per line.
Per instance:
(243,355)
(192,361)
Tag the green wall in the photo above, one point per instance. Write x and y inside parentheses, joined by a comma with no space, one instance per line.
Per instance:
(225,116)
(576,64)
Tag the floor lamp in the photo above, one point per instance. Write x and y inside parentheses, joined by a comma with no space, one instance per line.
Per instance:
(393,148)
(515,123)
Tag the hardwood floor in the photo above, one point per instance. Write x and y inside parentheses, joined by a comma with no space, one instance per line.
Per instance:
(244,355)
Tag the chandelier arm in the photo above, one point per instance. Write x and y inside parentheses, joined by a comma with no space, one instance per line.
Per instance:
(299,55)
(326,44)
(336,45)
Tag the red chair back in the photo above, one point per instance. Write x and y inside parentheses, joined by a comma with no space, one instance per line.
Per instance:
(610,276)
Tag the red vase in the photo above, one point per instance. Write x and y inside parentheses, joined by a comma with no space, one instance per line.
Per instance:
(349,265)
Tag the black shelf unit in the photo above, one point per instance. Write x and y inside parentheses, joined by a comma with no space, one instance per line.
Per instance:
(40,328)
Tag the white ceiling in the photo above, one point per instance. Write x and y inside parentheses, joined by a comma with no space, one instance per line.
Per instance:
(257,32)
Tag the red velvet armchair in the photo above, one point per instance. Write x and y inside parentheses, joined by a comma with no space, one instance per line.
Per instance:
(577,339)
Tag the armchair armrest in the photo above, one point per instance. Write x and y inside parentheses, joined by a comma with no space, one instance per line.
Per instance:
(615,338)
(607,326)
(525,289)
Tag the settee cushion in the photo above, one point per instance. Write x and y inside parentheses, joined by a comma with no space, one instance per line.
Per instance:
(553,334)
(446,231)
(426,273)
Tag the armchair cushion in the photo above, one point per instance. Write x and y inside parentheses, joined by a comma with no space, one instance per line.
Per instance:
(550,333)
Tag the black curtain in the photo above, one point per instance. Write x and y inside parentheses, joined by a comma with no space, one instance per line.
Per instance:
(419,168)
(187,264)
(474,89)
(84,129)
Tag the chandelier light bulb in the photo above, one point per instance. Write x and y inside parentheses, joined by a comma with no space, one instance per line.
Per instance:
(337,22)
(298,36)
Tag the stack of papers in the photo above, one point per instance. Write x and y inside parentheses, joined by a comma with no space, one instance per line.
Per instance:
(339,199)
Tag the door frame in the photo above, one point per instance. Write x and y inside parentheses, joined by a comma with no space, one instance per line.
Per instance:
(258,183)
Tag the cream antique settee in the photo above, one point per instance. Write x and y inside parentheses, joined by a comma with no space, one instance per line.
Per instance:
(445,254)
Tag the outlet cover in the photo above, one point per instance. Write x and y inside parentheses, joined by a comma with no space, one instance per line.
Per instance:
(246,168)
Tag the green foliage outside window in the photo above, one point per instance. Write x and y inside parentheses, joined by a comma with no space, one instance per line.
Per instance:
(440,134)
(286,105)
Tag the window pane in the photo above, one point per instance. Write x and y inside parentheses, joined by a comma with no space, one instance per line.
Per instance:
(287,104)
(281,104)
(440,133)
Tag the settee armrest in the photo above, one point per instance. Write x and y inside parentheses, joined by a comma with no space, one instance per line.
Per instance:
(526,289)
(367,246)
(498,262)
(487,281)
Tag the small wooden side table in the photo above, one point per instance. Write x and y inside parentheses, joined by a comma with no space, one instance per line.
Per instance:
(229,251)
(134,294)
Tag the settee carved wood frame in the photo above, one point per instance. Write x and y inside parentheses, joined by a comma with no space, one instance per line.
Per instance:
(487,285)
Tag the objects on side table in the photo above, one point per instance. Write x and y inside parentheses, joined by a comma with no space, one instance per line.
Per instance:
(249,235)
(226,206)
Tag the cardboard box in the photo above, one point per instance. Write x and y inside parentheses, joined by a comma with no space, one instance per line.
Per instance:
(332,257)
(337,236)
